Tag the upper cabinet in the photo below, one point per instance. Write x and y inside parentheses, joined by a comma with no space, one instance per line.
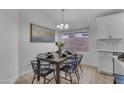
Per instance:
(103,29)
(117,25)
(110,27)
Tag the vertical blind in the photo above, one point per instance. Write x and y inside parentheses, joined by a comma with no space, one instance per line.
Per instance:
(76,41)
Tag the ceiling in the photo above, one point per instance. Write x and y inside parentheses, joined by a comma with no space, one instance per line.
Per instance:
(77,18)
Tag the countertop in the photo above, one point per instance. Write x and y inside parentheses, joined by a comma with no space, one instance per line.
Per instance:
(98,50)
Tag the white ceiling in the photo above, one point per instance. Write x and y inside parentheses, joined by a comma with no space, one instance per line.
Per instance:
(77,18)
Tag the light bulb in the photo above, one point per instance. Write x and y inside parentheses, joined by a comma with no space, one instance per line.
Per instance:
(66,26)
(62,25)
(58,26)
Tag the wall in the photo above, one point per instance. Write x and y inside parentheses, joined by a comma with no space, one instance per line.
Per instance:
(91,57)
(8,45)
(28,50)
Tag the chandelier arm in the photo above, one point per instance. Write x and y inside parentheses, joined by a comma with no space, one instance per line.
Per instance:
(62,16)
(62,25)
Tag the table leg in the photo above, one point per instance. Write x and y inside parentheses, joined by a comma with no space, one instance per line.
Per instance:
(58,73)
(38,77)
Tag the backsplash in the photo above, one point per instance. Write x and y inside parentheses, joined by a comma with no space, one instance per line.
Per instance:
(110,44)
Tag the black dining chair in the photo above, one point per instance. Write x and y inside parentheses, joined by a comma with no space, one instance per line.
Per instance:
(71,67)
(43,71)
(75,57)
(80,56)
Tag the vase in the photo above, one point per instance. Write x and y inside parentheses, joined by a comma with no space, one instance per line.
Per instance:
(59,51)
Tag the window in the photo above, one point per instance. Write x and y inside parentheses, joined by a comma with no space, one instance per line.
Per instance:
(68,40)
(77,41)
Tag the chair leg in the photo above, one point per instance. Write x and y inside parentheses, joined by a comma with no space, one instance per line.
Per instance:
(44,80)
(70,78)
(33,79)
(54,76)
(78,73)
(81,68)
(77,76)
(65,74)
(53,66)
(114,81)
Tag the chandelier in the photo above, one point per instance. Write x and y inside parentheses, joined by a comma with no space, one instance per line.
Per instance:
(62,25)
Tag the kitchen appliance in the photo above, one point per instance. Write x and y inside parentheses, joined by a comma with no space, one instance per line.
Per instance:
(118,66)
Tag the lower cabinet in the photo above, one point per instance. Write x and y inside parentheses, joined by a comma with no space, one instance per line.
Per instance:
(106,62)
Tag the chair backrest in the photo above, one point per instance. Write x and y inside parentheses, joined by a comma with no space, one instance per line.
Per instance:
(34,65)
(79,58)
(76,58)
(42,66)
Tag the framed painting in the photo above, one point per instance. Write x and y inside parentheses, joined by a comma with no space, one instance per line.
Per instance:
(41,34)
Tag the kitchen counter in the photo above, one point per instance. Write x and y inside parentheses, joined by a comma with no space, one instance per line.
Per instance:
(99,50)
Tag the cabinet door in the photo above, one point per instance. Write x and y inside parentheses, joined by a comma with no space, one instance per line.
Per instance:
(117,24)
(106,62)
(103,27)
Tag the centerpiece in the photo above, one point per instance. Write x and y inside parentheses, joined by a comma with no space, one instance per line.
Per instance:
(59,44)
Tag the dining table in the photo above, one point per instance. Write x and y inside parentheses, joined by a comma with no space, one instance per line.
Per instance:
(56,59)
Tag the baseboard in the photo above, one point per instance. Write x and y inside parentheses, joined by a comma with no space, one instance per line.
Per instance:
(14,79)
(89,66)
(23,73)
(104,72)
(9,81)
(4,81)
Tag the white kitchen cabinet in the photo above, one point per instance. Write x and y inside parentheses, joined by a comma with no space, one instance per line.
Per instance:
(106,62)
(117,25)
(103,27)
(110,27)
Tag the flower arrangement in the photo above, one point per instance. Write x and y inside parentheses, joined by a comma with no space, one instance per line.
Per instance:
(59,44)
